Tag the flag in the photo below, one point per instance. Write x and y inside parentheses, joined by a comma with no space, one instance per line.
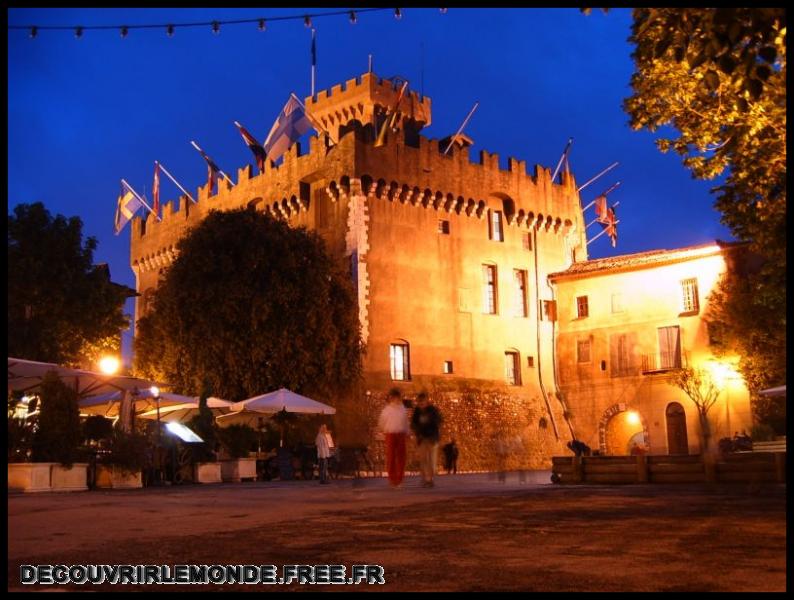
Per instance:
(290,125)
(391,118)
(126,207)
(156,189)
(611,225)
(601,209)
(254,146)
(213,170)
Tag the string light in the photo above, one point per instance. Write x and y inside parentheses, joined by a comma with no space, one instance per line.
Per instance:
(124,30)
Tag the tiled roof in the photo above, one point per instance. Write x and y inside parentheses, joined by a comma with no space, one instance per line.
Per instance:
(642,259)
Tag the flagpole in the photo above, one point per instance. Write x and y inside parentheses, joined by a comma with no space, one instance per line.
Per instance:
(142,201)
(596,219)
(609,168)
(225,176)
(562,158)
(454,137)
(600,234)
(604,194)
(171,177)
(314,121)
(314,60)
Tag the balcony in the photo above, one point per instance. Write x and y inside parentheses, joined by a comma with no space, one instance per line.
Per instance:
(662,362)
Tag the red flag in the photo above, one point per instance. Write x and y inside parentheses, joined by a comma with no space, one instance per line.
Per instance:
(156,189)
(254,146)
(601,209)
(612,226)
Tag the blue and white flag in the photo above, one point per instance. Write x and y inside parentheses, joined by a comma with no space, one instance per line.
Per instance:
(291,124)
(127,205)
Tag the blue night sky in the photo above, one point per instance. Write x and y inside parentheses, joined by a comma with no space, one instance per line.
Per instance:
(83,113)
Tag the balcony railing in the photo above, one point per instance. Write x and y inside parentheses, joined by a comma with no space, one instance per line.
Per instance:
(663,361)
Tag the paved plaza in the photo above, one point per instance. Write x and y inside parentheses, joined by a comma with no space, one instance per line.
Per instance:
(470,532)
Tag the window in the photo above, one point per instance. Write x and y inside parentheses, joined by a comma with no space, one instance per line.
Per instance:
(690,300)
(490,290)
(550,310)
(443,226)
(400,365)
(520,300)
(530,361)
(581,306)
(495,231)
(617,303)
(526,240)
(583,351)
(669,347)
(512,368)
(621,354)
(447,367)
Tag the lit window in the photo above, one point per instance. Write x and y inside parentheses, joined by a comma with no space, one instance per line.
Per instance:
(512,368)
(691,302)
(581,306)
(489,289)
(447,367)
(400,367)
(443,226)
(495,231)
(520,301)
(583,351)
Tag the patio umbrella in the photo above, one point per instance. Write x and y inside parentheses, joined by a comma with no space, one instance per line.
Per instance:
(187,410)
(775,391)
(108,405)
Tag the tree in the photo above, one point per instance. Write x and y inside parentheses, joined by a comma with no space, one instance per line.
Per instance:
(59,435)
(716,78)
(61,307)
(251,305)
(698,384)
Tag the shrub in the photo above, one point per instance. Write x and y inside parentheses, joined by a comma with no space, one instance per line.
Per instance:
(58,436)
(128,452)
(238,440)
(761,432)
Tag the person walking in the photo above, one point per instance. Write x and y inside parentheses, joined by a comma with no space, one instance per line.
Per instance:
(393,422)
(323,441)
(425,423)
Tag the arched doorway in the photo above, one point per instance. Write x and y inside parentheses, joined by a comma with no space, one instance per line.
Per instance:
(677,442)
(619,429)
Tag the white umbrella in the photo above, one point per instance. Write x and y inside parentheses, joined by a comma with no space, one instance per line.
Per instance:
(775,391)
(108,405)
(187,410)
(283,399)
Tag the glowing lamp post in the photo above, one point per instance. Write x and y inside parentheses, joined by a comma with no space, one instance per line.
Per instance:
(109,365)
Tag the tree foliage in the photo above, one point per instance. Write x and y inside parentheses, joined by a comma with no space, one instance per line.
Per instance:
(715,79)
(251,305)
(701,388)
(59,434)
(61,308)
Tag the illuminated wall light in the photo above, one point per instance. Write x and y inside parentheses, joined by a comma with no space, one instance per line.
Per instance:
(169,30)
(353,17)
(124,31)
(34,31)
(78,32)
(397,14)
(307,20)
(261,24)
(216,27)
(633,417)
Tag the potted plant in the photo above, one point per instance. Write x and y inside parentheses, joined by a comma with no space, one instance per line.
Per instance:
(237,441)
(122,466)
(22,473)
(58,437)
(206,468)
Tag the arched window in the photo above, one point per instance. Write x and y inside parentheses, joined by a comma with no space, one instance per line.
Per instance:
(400,361)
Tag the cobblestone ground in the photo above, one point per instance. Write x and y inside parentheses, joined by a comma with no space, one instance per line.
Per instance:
(531,537)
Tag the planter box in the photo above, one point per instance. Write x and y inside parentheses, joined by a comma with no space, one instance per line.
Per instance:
(238,469)
(112,477)
(74,479)
(207,473)
(30,477)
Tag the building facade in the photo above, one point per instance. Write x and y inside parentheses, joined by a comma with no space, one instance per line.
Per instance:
(450,259)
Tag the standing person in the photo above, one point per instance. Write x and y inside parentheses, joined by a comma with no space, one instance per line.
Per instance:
(425,423)
(323,442)
(393,422)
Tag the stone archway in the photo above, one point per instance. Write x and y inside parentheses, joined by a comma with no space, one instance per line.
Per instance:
(614,426)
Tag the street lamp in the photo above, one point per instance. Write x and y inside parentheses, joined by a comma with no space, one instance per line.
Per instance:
(109,365)
(156,394)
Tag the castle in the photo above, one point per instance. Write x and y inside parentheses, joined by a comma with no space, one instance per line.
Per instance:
(451,261)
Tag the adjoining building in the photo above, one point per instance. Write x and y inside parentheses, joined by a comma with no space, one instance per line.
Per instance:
(450,259)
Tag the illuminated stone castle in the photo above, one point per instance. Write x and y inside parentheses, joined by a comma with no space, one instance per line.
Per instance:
(450,259)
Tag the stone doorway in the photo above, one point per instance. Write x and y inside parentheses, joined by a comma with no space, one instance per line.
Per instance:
(619,429)
(677,441)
